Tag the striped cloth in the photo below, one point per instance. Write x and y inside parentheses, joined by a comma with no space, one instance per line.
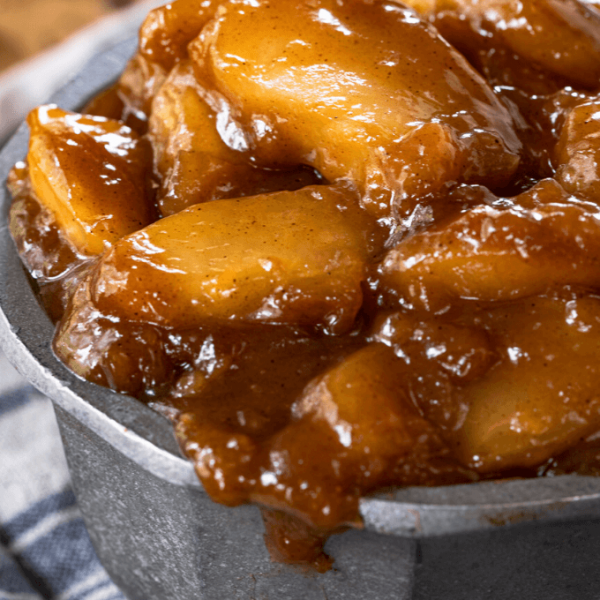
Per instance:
(45,551)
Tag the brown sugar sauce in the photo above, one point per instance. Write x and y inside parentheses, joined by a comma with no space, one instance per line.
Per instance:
(343,251)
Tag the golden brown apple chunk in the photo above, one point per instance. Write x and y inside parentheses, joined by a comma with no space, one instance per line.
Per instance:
(39,242)
(163,39)
(561,37)
(515,38)
(577,153)
(167,30)
(131,359)
(90,174)
(510,386)
(290,257)
(542,395)
(360,91)
(193,162)
(510,249)
(363,428)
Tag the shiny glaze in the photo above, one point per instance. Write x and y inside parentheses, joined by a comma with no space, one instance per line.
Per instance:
(91,172)
(537,44)
(196,267)
(192,161)
(378,258)
(42,248)
(306,84)
(506,249)
(540,398)
(577,154)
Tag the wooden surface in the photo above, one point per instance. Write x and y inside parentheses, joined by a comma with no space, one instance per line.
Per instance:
(30,26)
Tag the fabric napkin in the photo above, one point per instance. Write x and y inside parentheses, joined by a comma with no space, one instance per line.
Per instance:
(45,551)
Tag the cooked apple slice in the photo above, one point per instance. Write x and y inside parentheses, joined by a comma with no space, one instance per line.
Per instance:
(510,386)
(542,396)
(515,248)
(89,172)
(364,432)
(290,257)
(129,358)
(167,30)
(193,162)
(436,348)
(528,30)
(163,39)
(360,91)
(366,403)
(578,152)
(531,28)
(43,250)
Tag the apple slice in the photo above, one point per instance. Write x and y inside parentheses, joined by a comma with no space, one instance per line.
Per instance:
(508,250)
(542,395)
(525,30)
(90,174)
(193,162)
(364,91)
(167,30)
(577,153)
(354,428)
(289,257)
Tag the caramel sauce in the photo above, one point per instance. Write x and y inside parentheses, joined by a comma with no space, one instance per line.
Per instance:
(361,252)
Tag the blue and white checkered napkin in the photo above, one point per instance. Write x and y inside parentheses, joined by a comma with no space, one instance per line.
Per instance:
(45,551)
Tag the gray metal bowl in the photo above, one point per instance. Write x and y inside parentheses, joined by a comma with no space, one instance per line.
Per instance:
(154,528)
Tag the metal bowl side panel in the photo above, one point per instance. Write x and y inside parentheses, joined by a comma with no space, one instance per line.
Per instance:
(161,541)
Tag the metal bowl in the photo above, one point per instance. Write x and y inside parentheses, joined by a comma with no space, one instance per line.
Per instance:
(154,528)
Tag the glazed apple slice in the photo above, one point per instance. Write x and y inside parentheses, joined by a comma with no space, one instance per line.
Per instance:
(360,91)
(542,395)
(511,249)
(364,432)
(289,257)
(90,174)
(510,386)
(530,28)
(167,30)
(526,30)
(163,39)
(193,162)
(577,154)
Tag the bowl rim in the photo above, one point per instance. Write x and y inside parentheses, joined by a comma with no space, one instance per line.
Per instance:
(147,438)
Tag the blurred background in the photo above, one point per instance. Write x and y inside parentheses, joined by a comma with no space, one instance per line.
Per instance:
(43,43)
(30,26)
